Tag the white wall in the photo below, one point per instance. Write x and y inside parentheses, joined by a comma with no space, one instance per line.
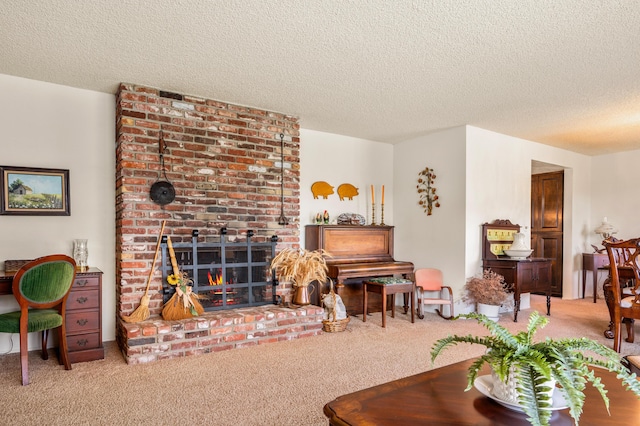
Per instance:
(438,240)
(481,176)
(615,194)
(50,126)
(499,187)
(338,159)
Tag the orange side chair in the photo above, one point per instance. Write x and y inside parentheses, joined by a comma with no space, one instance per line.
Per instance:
(430,280)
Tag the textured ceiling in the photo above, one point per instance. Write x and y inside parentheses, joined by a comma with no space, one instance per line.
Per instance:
(563,73)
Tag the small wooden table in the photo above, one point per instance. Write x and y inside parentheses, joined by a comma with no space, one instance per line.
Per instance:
(593,262)
(388,286)
(437,397)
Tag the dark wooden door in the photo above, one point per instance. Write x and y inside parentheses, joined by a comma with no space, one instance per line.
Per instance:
(547,196)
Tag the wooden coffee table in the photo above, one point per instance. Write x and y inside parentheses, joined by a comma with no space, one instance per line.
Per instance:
(437,397)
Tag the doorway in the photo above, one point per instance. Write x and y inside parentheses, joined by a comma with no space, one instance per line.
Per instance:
(547,206)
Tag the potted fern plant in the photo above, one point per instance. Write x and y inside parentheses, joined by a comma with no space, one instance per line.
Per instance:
(534,368)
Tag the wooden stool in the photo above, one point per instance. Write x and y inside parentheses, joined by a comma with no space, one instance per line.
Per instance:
(384,287)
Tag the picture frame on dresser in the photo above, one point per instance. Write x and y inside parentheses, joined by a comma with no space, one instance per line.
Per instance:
(30,191)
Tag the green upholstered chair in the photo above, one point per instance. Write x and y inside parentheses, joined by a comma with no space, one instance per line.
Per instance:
(41,288)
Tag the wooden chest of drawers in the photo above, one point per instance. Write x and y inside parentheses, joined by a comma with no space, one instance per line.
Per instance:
(532,275)
(84,317)
(84,314)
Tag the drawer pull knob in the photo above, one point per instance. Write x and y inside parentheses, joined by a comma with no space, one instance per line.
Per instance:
(82,321)
(82,342)
(82,283)
(82,300)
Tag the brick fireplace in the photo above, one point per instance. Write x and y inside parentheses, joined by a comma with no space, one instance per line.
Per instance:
(224,162)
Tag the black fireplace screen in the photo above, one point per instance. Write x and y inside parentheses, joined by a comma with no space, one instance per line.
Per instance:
(225,274)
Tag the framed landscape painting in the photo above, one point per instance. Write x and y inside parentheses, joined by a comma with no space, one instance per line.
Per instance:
(32,191)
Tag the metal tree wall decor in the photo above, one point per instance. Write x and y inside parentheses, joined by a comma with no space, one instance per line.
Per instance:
(426,190)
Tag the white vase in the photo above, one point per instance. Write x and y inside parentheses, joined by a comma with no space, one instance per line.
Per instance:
(519,242)
(507,391)
(491,311)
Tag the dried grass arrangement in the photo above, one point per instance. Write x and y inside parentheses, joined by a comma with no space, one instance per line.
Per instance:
(301,267)
(184,303)
(489,289)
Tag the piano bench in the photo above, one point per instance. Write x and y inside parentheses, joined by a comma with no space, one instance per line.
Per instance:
(384,287)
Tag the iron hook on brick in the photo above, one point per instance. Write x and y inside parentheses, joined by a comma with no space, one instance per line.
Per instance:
(282,220)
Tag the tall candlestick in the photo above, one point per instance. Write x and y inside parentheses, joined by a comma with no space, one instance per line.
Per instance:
(373,200)
(373,214)
(383,195)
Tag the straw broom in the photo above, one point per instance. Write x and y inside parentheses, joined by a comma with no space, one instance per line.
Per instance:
(184,303)
(142,312)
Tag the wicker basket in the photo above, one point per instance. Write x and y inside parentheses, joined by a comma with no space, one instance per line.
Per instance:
(337,325)
(13,266)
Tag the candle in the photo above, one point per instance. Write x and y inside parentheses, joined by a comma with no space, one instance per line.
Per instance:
(382,194)
(373,200)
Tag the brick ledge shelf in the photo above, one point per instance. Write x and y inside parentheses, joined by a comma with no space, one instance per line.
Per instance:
(156,339)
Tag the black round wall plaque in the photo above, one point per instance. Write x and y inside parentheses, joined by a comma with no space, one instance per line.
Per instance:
(162,192)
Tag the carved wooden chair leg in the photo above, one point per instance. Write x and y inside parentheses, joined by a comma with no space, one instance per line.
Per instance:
(630,332)
(63,358)
(24,358)
(608,333)
(617,335)
(45,335)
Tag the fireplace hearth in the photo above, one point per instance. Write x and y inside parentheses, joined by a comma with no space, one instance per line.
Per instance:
(226,275)
(242,308)
(231,168)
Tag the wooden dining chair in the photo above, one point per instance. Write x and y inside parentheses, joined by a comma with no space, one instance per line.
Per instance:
(41,288)
(624,267)
(431,280)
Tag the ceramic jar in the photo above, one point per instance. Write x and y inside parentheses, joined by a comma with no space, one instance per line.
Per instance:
(519,242)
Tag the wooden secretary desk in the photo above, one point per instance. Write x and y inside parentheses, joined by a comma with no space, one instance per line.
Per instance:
(83,316)
(531,275)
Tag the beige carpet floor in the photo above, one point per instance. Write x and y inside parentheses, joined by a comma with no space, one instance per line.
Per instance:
(285,383)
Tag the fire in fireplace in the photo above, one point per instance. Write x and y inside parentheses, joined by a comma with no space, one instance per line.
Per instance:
(225,274)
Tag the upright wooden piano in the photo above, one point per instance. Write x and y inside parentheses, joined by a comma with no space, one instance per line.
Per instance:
(355,253)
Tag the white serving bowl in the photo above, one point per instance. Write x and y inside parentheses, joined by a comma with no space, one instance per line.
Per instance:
(518,254)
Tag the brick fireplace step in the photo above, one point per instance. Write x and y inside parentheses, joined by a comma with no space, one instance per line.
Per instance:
(156,339)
